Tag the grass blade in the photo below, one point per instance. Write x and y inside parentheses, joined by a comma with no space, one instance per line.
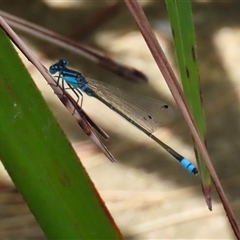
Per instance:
(42,163)
(185,46)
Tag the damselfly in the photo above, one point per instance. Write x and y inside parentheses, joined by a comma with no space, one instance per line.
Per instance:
(145,113)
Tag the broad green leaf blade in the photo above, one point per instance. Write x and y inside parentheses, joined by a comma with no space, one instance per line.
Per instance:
(185,47)
(42,163)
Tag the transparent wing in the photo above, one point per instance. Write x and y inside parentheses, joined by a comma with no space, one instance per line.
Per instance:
(147,112)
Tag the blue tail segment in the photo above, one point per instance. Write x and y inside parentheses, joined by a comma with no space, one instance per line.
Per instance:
(189,166)
(144,113)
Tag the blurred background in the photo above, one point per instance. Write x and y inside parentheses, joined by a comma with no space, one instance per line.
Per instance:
(148,194)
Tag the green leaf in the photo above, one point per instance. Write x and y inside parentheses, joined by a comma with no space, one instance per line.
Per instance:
(185,46)
(42,163)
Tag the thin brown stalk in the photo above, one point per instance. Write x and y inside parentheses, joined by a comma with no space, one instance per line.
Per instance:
(64,42)
(177,93)
(65,98)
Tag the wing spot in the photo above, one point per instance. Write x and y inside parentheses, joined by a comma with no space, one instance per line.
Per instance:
(147,118)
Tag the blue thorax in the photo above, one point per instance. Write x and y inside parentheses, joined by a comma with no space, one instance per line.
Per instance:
(76,79)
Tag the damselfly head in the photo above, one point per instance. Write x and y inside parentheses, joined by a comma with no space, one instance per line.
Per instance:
(63,62)
(57,67)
